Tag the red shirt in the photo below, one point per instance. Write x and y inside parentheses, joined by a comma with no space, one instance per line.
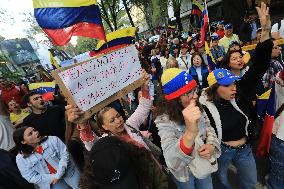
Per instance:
(220,33)
(39,150)
(13,93)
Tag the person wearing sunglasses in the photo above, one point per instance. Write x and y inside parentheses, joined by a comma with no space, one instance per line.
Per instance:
(186,135)
(227,102)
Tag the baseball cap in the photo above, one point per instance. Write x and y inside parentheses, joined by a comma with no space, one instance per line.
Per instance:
(111,164)
(222,77)
(228,26)
(184,46)
(214,37)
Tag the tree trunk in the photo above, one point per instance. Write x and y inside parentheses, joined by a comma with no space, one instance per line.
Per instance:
(178,19)
(128,13)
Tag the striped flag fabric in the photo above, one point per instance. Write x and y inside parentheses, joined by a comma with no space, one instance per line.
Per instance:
(46,89)
(115,40)
(197,8)
(265,135)
(210,59)
(62,19)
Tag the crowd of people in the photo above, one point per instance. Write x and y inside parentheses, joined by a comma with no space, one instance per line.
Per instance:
(182,129)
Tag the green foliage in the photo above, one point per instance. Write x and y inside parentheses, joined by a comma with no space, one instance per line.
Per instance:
(85,44)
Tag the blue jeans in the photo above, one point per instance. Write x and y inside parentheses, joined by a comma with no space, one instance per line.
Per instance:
(70,180)
(243,160)
(276,175)
(195,183)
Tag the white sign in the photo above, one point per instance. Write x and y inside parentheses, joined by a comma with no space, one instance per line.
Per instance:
(97,79)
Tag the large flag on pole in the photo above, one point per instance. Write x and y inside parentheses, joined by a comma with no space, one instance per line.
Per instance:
(116,39)
(197,8)
(62,19)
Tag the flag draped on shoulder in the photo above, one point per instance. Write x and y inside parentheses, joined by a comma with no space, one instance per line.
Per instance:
(210,59)
(62,19)
(115,40)
(265,135)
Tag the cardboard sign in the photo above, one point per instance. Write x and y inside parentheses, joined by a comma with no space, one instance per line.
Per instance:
(95,83)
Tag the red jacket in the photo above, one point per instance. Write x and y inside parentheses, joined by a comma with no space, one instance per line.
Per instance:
(13,93)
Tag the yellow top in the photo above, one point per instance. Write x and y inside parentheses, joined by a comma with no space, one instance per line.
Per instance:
(225,41)
(16,117)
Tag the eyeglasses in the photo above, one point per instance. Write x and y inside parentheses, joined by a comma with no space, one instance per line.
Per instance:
(191,93)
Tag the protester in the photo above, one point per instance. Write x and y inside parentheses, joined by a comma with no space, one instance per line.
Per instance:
(228,101)
(44,160)
(182,128)
(220,29)
(276,66)
(184,59)
(9,91)
(172,63)
(6,129)
(229,37)
(10,176)
(48,120)
(276,179)
(234,62)
(111,123)
(217,51)
(199,71)
(17,114)
(116,164)
(165,53)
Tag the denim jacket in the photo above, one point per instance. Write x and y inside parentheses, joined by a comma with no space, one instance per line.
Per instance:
(34,168)
(171,133)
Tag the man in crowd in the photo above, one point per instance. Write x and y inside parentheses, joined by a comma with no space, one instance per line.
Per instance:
(217,51)
(48,120)
(229,37)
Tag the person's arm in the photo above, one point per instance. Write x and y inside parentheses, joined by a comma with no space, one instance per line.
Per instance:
(262,54)
(61,149)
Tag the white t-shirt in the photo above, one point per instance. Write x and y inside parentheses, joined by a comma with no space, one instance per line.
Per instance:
(184,62)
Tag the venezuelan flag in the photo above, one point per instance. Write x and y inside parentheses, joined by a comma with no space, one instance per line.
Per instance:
(62,19)
(115,40)
(211,61)
(265,135)
(197,8)
(204,25)
(53,62)
(46,89)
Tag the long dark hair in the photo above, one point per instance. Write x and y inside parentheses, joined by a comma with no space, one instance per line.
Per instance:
(18,137)
(225,63)
(137,158)
(212,94)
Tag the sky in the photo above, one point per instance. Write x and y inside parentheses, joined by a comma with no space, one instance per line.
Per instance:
(11,25)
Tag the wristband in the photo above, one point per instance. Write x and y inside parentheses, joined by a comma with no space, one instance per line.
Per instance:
(185,149)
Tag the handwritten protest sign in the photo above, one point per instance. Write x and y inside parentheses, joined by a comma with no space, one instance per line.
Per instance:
(95,83)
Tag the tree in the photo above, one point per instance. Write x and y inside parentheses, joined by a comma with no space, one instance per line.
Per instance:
(85,44)
(176,6)
(112,13)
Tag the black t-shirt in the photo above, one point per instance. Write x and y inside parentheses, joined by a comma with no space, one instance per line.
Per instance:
(233,122)
(50,123)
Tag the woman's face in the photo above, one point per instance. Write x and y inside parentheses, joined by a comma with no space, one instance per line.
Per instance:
(31,137)
(13,106)
(197,61)
(227,92)
(236,61)
(113,122)
(188,97)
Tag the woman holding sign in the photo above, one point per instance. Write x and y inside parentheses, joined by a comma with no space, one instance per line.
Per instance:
(112,123)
